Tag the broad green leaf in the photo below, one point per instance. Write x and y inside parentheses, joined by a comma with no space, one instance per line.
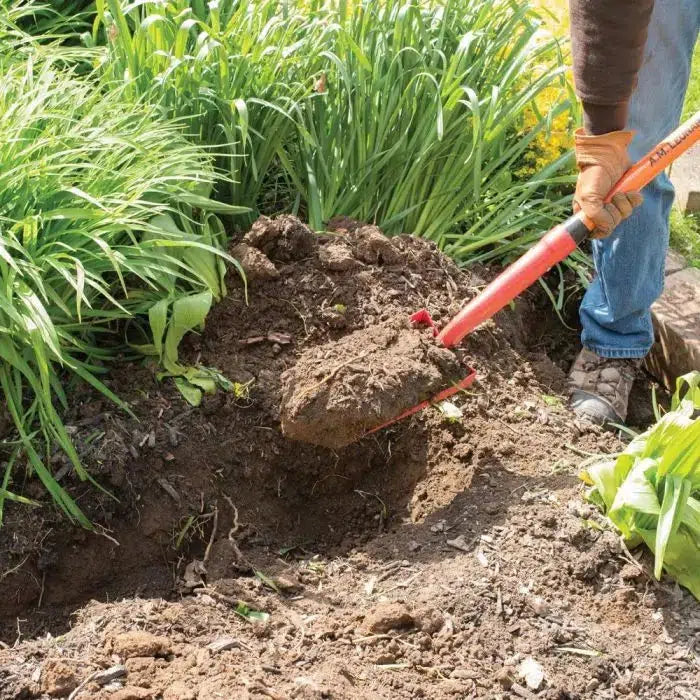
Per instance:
(606,478)
(687,400)
(191,393)
(201,379)
(676,495)
(650,490)
(188,312)
(681,558)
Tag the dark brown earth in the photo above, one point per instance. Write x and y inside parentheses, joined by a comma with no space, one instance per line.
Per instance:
(441,558)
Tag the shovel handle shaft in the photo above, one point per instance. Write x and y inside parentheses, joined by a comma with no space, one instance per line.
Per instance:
(563,239)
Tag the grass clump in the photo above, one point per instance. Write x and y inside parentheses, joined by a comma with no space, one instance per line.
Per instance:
(229,70)
(414,116)
(85,180)
(685,236)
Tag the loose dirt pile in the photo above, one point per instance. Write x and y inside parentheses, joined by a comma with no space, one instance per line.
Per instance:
(443,557)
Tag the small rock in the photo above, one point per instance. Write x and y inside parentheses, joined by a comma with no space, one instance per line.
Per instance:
(532,673)
(538,605)
(459,543)
(58,678)
(388,616)
(192,577)
(338,257)
(139,643)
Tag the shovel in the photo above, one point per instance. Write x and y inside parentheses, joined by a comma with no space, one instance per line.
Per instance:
(552,248)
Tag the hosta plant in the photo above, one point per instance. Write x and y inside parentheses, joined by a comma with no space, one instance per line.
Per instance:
(651,491)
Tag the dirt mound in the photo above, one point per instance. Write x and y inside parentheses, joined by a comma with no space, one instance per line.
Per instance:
(336,393)
(174,467)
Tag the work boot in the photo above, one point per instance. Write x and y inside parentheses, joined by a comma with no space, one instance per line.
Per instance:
(601,386)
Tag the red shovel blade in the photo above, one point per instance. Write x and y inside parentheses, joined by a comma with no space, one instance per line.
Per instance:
(423,317)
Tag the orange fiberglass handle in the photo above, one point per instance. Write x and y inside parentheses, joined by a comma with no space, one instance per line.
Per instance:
(563,239)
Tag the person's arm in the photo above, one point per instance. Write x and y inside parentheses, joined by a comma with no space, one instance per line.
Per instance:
(607,40)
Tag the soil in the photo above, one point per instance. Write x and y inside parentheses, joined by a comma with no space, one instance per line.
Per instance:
(448,556)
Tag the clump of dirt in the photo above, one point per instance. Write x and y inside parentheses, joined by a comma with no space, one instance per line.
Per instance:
(283,239)
(335,393)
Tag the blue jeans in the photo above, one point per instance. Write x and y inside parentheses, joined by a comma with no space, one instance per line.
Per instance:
(615,312)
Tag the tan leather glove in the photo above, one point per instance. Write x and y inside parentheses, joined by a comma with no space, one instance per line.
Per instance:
(601,161)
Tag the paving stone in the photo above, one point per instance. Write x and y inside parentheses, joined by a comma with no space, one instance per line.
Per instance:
(676,317)
(674,263)
(685,175)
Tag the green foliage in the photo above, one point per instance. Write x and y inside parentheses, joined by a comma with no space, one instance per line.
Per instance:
(692,97)
(229,70)
(651,491)
(418,125)
(58,19)
(407,114)
(86,178)
(685,236)
(33,27)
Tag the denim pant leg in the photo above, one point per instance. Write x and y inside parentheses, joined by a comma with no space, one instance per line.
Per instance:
(615,312)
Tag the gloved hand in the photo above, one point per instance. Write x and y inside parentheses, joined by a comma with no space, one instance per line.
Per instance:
(602,160)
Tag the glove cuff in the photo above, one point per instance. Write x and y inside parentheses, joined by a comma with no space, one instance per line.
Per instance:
(607,150)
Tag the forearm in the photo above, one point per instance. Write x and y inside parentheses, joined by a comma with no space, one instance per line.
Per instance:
(608,39)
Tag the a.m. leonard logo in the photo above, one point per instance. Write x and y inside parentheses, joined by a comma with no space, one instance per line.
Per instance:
(677,138)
